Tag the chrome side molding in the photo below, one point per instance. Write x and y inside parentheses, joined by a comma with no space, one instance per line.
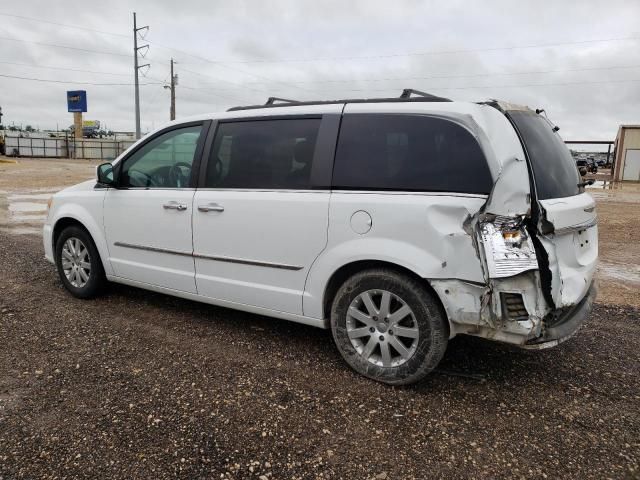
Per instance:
(216,258)
(243,261)
(153,249)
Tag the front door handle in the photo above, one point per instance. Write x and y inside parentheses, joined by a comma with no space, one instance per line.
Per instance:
(211,207)
(174,206)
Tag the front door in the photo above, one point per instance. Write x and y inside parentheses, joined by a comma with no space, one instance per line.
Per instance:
(147,219)
(258,224)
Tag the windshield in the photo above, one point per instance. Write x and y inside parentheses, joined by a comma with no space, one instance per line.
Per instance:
(554,169)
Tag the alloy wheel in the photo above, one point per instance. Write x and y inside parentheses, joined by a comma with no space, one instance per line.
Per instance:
(76,262)
(382,328)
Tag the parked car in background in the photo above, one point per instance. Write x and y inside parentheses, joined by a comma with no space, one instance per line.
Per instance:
(586,165)
(398,223)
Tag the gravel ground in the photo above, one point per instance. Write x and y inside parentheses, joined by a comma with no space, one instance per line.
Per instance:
(141,385)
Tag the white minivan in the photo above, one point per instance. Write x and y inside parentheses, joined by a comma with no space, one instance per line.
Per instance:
(399,223)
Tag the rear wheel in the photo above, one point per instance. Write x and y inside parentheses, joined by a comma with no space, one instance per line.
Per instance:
(78,262)
(388,326)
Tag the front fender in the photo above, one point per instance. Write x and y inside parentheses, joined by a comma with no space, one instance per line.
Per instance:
(89,214)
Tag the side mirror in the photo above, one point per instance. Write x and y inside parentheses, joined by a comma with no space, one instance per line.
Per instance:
(105,174)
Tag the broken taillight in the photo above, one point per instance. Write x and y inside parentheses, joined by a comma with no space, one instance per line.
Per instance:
(508,248)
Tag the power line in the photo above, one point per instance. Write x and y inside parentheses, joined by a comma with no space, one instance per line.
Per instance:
(115,34)
(226,97)
(70,81)
(432,52)
(473,75)
(22,17)
(225,81)
(351,57)
(563,84)
(471,87)
(31,65)
(102,52)
(220,64)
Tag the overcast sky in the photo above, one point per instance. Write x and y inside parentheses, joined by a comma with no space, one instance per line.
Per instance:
(578,60)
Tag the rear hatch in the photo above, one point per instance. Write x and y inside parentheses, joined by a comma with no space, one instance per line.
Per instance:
(565,220)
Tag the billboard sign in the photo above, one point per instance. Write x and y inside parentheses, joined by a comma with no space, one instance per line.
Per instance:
(77,101)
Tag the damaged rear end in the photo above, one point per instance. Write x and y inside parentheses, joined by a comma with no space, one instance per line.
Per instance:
(537,241)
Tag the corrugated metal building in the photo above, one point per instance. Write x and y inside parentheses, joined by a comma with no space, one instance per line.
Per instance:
(627,160)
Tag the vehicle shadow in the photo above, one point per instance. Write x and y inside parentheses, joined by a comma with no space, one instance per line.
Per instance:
(468,360)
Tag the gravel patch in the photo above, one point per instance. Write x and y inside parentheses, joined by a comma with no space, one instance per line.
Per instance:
(141,385)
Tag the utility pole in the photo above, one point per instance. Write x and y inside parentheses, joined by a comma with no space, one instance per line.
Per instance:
(172,113)
(172,87)
(136,69)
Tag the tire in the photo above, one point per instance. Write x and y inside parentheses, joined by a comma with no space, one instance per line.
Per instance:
(351,326)
(86,282)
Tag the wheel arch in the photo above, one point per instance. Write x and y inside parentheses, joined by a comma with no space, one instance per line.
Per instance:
(347,270)
(60,225)
(66,220)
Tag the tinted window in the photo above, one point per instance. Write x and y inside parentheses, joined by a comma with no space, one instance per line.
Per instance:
(409,152)
(553,167)
(164,162)
(272,154)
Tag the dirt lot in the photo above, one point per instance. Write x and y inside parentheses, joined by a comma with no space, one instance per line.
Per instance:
(140,385)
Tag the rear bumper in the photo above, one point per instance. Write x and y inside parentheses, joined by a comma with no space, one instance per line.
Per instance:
(565,324)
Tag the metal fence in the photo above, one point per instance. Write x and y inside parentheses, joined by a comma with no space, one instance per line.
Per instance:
(65,147)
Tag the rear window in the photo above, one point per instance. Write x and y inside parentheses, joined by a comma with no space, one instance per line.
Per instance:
(409,153)
(553,166)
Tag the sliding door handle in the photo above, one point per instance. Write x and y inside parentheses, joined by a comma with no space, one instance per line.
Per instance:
(174,206)
(211,207)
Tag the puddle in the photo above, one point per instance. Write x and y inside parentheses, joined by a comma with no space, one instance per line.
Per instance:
(29,197)
(602,184)
(22,230)
(627,273)
(24,212)
(29,218)
(25,207)
(618,192)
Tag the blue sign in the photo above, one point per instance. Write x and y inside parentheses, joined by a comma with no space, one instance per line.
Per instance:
(77,101)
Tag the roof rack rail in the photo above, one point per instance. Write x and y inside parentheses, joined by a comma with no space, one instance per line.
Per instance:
(273,100)
(407,92)
(408,95)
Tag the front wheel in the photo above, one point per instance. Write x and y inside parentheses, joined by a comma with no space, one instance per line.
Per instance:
(78,262)
(388,326)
